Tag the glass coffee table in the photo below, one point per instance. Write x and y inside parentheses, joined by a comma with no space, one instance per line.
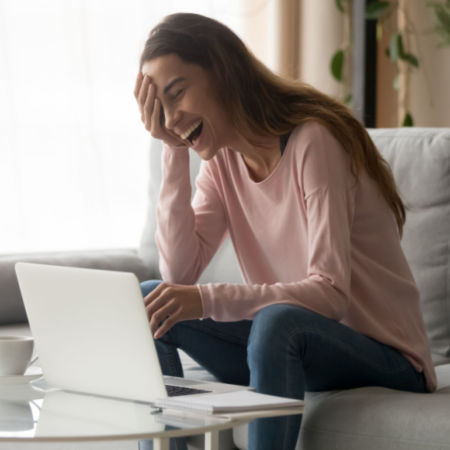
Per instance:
(29,414)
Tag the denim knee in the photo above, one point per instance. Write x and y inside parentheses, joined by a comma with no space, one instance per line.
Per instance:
(265,335)
(148,286)
(272,331)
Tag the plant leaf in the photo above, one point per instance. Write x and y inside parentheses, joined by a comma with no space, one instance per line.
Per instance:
(337,64)
(408,120)
(339,5)
(348,99)
(396,47)
(410,59)
(375,9)
(442,17)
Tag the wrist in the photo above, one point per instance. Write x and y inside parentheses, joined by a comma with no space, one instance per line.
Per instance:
(172,147)
(204,314)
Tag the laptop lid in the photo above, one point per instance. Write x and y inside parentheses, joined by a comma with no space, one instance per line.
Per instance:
(91,331)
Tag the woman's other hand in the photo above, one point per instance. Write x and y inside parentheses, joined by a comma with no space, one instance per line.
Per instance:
(169,304)
(152,114)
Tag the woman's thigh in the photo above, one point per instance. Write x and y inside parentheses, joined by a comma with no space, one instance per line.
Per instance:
(323,353)
(330,354)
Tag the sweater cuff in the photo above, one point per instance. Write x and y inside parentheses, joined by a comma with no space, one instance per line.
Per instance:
(206,304)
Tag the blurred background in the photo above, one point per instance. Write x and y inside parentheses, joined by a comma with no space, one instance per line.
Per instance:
(73,152)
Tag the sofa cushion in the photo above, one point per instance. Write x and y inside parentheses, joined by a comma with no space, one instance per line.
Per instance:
(372,418)
(420,161)
(11,305)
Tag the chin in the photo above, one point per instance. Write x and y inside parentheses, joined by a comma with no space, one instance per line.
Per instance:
(206,154)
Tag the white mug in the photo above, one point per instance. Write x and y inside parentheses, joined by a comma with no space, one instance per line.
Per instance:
(15,354)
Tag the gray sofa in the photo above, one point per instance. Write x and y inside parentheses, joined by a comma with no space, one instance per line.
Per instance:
(364,418)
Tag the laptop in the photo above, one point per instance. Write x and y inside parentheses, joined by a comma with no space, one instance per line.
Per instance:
(92,334)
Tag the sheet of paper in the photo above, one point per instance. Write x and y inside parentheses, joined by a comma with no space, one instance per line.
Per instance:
(228,402)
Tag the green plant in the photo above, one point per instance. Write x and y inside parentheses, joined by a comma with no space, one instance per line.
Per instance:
(381,11)
(442,17)
(396,53)
(338,59)
(375,9)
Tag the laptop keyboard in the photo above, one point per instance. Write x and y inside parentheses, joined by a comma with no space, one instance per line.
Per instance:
(174,391)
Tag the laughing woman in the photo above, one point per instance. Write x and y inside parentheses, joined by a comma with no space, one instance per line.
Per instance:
(329,301)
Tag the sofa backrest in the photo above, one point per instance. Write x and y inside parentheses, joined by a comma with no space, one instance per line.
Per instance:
(420,161)
(12,310)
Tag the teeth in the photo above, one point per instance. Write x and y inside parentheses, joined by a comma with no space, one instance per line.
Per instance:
(186,134)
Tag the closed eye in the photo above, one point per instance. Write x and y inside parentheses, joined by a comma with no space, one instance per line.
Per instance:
(178,93)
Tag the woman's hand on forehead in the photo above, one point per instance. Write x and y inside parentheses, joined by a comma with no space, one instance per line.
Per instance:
(152,113)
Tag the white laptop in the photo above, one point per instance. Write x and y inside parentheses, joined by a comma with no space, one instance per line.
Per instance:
(92,334)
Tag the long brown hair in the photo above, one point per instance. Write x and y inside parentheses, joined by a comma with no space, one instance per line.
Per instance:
(259,102)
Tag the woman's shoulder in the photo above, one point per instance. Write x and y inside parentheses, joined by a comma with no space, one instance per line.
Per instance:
(314,145)
(311,130)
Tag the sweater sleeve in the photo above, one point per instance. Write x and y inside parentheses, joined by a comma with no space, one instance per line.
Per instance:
(188,234)
(329,196)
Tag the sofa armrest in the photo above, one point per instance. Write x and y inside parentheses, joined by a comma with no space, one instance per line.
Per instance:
(11,304)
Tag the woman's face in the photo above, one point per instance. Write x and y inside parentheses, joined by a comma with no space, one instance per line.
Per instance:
(192,106)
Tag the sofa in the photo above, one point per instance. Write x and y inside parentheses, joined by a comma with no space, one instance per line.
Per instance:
(364,418)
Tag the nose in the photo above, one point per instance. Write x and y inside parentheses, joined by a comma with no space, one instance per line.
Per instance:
(170,117)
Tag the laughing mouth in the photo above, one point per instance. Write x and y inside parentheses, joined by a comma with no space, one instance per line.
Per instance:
(193,132)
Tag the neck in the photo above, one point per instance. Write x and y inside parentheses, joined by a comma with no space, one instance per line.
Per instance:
(260,160)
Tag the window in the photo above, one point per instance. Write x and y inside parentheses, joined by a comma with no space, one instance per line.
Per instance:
(73,152)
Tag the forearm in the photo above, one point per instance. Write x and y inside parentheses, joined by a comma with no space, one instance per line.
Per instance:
(231,302)
(186,239)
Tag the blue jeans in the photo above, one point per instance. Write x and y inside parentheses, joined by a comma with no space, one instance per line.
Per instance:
(286,350)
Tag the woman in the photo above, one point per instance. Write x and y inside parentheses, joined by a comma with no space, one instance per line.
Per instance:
(329,301)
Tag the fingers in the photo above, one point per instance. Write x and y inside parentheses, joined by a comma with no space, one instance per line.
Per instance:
(137,87)
(146,100)
(152,113)
(140,91)
(149,105)
(161,305)
(169,304)
(155,121)
(171,320)
(167,313)
(155,293)
(145,93)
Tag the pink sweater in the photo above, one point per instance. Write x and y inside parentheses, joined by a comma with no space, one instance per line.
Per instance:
(306,235)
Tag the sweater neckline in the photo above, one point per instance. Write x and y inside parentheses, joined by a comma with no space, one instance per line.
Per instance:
(277,168)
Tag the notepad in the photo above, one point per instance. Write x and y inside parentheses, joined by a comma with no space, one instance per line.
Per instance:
(228,402)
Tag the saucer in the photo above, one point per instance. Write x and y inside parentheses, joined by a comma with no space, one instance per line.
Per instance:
(18,379)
